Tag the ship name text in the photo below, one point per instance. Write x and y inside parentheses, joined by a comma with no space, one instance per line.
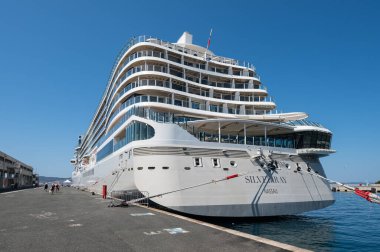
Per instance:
(265,179)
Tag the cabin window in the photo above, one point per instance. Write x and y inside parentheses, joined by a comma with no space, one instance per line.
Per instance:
(151,167)
(215,162)
(197,162)
(139,168)
(165,167)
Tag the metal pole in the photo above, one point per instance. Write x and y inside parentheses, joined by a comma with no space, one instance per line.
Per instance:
(219,131)
(245,135)
(265,136)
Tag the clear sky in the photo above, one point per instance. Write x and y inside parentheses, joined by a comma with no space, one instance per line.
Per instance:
(319,57)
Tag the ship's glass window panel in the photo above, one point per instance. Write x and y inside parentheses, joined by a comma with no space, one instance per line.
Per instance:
(241,139)
(224,139)
(178,87)
(144,131)
(236,71)
(165,167)
(105,151)
(159,83)
(176,72)
(194,90)
(195,105)
(213,108)
(201,136)
(139,168)
(278,142)
(270,141)
(227,97)
(215,162)
(150,132)
(249,140)
(151,167)
(198,162)
(233,163)
(144,82)
(153,98)
(306,140)
(144,98)
(174,58)
(187,63)
(152,82)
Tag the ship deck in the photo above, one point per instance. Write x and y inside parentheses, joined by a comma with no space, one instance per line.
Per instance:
(73,220)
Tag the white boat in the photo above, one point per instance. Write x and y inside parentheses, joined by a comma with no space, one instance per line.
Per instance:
(175,115)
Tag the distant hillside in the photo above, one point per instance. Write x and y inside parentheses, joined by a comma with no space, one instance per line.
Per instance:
(44,179)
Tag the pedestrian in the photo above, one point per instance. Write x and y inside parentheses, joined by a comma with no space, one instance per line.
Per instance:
(52,188)
(57,187)
(46,187)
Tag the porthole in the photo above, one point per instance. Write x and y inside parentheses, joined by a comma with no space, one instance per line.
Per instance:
(165,167)
(139,168)
(225,169)
(187,168)
(151,167)
(233,163)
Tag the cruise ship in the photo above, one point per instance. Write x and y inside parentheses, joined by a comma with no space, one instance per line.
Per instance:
(199,134)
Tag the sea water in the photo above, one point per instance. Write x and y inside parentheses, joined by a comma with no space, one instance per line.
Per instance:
(350,224)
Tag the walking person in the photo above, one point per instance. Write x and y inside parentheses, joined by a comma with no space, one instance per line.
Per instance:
(52,188)
(46,187)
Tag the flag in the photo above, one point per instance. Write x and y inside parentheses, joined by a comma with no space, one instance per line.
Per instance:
(209,40)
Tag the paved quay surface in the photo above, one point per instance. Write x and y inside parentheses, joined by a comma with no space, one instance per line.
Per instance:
(73,220)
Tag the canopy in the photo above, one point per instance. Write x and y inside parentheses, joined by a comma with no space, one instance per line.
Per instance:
(233,126)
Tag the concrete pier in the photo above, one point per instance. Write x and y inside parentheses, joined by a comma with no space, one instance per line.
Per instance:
(374,188)
(73,220)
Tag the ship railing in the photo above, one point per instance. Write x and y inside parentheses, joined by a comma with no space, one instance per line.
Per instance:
(176,102)
(157,54)
(304,122)
(159,68)
(139,39)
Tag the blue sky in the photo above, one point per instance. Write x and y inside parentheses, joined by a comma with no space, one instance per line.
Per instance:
(320,57)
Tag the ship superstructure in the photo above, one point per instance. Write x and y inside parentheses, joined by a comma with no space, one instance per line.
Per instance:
(175,115)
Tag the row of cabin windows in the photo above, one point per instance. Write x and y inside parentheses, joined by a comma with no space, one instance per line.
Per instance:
(215,162)
(197,163)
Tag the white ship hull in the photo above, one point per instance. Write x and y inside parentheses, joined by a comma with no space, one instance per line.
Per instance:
(257,191)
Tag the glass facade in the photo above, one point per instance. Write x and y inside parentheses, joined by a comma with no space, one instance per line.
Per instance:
(299,140)
(135,131)
(313,139)
(138,131)
(105,151)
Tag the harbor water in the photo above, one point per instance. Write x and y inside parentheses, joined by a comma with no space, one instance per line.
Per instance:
(351,224)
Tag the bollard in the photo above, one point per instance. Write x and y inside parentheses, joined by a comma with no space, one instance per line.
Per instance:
(104,191)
